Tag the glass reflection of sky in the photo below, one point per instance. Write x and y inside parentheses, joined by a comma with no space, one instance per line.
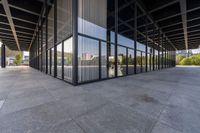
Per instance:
(91,29)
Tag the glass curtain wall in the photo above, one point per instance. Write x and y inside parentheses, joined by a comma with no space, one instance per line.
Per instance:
(106,41)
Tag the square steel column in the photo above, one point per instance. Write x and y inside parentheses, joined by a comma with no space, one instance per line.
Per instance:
(135,38)
(75,41)
(3,56)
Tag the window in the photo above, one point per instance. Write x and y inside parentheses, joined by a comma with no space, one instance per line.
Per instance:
(92,18)
(88,59)
(139,62)
(51,27)
(104,69)
(131,61)
(111,60)
(122,61)
(49,61)
(68,59)
(64,19)
(59,60)
(143,62)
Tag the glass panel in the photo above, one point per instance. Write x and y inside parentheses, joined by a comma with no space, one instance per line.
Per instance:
(122,60)
(52,61)
(59,60)
(104,70)
(143,62)
(126,23)
(148,62)
(51,27)
(44,46)
(139,62)
(68,59)
(111,60)
(88,59)
(64,19)
(131,61)
(49,61)
(92,18)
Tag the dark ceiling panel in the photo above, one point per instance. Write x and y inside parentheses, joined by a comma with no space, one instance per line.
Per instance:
(31,5)
(3,19)
(2,9)
(23,15)
(24,24)
(166,12)
(193,4)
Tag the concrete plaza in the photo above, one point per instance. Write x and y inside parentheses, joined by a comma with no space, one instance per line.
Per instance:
(166,101)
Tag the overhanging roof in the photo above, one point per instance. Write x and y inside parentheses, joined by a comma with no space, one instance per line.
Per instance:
(177,20)
(18,20)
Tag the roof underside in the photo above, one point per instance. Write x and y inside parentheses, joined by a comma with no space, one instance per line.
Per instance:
(24,15)
(178,20)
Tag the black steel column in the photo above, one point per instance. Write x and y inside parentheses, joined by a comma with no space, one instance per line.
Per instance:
(100,60)
(127,61)
(46,38)
(55,38)
(146,50)
(165,55)
(153,49)
(63,60)
(135,38)
(75,40)
(3,56)
(116,40)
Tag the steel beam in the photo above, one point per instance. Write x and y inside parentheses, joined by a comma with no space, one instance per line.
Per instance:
(10,20)
(184,19)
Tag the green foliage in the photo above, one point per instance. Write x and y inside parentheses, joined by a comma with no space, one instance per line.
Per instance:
(179,58)
(192,60)
(18,59)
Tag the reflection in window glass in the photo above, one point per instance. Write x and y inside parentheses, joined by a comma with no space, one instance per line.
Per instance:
(125,41)
(148,62)
(64,19)
(143,62)
(88,59)
(131,61)
(121,61)
(104,60)
(111,60)
(49,61)
(44,60)
(139,62)
(51,27)
(156,60)
(88,22)
(68,59)
(59,60)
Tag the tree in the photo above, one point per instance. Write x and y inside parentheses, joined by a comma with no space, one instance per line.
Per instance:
(18,59)
(179,58)
(192,60)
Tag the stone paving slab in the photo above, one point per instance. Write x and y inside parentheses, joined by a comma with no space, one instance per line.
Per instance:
(165,101)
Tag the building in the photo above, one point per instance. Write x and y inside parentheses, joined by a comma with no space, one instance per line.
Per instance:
(84,41)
